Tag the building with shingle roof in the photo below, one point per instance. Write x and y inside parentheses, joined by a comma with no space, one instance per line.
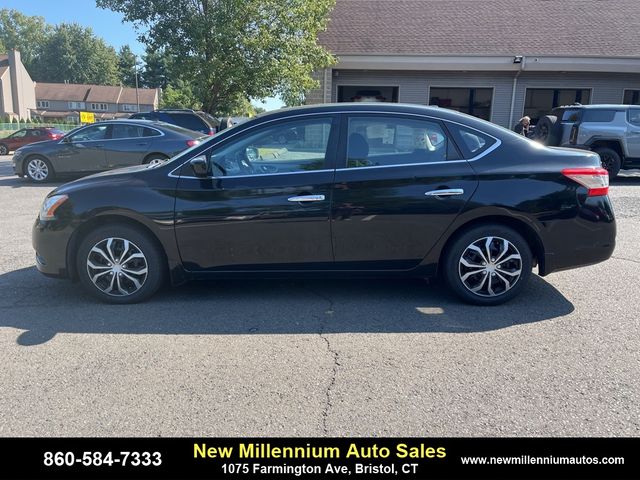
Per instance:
(495,59)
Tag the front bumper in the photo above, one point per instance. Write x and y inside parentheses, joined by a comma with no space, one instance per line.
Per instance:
(50,240)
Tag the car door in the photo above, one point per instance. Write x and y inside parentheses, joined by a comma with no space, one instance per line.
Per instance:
(83,151)
(633,133)
(400,182)
(127,146)
(265,206)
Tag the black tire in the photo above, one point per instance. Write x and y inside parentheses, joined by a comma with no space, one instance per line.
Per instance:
(611,161)
(4,150)
(49,173)
(153,157)
(139,241)
(548,130)
(453,270)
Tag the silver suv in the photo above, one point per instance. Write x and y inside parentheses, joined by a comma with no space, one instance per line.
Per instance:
(612,131)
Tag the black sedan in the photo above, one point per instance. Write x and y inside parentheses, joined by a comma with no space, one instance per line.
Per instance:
(365,190)
(102,146)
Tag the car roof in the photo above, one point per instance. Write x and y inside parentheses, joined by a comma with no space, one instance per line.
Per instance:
(602,106)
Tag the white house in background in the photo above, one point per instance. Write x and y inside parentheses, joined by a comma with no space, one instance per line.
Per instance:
(17,92)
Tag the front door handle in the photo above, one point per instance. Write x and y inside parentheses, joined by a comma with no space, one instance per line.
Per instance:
(307,198)
(448,192)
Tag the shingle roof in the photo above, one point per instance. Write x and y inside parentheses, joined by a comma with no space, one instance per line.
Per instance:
(485,27)
(93,93)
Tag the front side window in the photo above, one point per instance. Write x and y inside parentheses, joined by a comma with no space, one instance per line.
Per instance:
(384,141)
(19,134)
(94,132)
(634,116)
(286,147)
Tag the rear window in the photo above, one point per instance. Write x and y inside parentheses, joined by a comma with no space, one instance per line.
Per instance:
(472,142)
(598,115)
(188,120)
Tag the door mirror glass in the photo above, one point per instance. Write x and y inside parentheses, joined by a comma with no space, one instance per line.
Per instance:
(200,166)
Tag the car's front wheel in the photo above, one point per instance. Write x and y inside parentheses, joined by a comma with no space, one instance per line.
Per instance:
(120,264)
(488,264)
(4,150)
(39,170)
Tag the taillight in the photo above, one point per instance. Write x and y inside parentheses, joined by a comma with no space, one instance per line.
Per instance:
(192,143)
(573,138)
(595,179)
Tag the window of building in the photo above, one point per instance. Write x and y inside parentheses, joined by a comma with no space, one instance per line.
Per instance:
(474,101)
(631,97)
(540,101)
(43,103)
(384,141)
(99,106)
(127,107)
(77,105)
(355,93)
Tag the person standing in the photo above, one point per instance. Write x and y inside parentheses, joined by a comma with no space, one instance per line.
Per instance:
(523,126)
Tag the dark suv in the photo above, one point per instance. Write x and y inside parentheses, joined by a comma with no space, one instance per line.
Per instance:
(185,118)
(612,131)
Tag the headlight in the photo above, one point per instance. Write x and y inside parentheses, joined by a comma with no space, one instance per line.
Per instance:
(50,205)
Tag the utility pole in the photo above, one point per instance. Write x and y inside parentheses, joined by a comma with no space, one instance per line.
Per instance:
(135,66)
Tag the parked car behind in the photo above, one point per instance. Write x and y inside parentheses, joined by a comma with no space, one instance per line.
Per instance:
(362,192)
(185,118)
(102,146)
(26,136)
(611,131)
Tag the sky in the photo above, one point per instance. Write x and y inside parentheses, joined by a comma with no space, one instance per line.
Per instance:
(104,23)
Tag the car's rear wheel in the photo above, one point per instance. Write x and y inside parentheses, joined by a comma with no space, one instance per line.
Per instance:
(38,169)
(488,264)
(120,264)
(4,150)
(611,161)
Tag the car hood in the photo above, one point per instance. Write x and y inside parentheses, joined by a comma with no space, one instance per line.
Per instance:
(113,177)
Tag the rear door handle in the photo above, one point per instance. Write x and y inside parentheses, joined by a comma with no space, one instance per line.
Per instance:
(448,192)
(307,198)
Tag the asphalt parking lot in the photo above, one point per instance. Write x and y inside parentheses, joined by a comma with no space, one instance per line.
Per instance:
(280,358)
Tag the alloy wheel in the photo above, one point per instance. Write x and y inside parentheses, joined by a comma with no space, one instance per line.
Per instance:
(117,266)
(38,169)
(3,150)
(490,266)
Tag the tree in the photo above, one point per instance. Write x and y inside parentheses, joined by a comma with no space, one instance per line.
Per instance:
(73,53)
(156,71)
(180,96)
(235,49)
(127,66)
(24,33)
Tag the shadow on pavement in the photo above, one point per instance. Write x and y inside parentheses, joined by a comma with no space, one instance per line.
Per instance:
(43,307)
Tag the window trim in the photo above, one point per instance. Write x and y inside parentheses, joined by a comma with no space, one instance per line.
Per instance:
(488,87)
(340,114)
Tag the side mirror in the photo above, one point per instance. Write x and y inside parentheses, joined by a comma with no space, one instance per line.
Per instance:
(200,165)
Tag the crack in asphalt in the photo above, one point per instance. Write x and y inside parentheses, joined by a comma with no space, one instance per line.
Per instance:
(336,360)
(625,259)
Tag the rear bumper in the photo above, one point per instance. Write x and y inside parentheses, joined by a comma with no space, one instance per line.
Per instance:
(586,239)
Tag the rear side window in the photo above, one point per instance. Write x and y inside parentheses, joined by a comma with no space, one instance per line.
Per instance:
(598,115)
(472,142)
(126,131)
(388,140)
(150,132)
(188,120)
